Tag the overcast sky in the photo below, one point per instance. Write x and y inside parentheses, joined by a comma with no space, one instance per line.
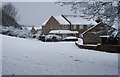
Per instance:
(35,13)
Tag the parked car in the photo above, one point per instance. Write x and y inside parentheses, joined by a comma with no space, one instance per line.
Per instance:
(54,38)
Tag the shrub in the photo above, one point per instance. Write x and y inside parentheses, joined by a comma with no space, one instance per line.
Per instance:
(54,38)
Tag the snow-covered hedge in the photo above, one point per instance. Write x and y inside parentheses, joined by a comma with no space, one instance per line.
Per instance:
(52,38)
(11,31)
(80,41)
(70,38)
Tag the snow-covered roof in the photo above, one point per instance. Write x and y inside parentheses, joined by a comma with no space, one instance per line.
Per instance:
(62,32)
(116,24)
(59,18)
(89,29)
(75,20)
(78,20)
(105,36)
(115,33)
(71,37)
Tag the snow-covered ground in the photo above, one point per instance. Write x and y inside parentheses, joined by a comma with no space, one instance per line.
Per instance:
(33,57)
(0,55)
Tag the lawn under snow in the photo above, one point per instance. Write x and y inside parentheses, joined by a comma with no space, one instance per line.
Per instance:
(0,56)
(32,57)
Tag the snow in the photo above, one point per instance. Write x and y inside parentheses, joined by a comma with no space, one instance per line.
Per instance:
(62,32)
(33,57)
(71,37)
(90,45)
(0,55)
(89,29)
(116,24)
(47,37)
(74,20)
(105,36)
(77,20)
(114,33)
(80,41)
(61,20)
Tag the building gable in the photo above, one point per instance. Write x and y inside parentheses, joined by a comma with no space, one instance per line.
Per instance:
(92,35)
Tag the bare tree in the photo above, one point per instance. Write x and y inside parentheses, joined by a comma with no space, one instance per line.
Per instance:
(10,10)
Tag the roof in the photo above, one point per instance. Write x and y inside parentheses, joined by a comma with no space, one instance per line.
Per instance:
(105,36)
(60,19)
(78,20)
(90,28)
(62,32)
(73,19)
(116,24)
(29,28)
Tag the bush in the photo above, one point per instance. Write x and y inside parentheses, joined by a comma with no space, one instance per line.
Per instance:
(11,31)
(42,38)
(54,38)
(71,38)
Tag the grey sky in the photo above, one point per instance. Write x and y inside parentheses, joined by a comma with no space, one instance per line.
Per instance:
(35,13)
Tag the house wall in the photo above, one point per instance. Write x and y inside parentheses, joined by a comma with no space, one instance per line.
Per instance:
(79,30)
(52,24)
(33,31)
(67,35)
(91,37)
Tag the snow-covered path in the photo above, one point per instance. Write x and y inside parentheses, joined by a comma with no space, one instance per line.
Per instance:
(32,57)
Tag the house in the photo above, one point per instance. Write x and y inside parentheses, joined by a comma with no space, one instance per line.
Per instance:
(34,29)
(93,34)
(66,25)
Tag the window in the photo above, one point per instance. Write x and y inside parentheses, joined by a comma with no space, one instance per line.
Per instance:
(88,26)
(74,35)
(64,26)
(74,27)
(64,35)
(80,26)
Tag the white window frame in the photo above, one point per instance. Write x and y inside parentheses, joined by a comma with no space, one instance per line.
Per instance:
(74,26)
(80,26)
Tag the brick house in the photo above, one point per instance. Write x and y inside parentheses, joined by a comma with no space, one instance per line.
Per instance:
(66,25)
(93,34)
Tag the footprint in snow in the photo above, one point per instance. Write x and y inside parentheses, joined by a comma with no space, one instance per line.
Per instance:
(93,62)
(77,60)
(46,69)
